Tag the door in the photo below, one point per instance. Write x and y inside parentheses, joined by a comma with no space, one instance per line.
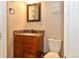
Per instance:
(71,29)
(3,30)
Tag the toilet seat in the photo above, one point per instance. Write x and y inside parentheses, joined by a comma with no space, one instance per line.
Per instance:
(51,55)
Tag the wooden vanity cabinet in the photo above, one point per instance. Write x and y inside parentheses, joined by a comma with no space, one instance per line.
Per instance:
(26,46)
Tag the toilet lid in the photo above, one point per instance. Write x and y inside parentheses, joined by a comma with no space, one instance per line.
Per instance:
(51,55)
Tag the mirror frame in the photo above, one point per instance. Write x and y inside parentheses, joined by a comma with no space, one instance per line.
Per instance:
(32,13)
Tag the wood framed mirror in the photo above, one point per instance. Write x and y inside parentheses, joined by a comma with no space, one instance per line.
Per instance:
(34,12)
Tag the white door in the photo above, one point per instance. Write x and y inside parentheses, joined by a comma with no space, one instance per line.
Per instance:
(71,29)
(3,30)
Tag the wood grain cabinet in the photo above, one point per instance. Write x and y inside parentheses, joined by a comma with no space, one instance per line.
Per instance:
(28,46)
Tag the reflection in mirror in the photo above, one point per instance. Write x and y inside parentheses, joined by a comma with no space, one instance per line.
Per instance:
(33,12)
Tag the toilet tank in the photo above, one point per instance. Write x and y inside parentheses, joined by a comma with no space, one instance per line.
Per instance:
(54,45)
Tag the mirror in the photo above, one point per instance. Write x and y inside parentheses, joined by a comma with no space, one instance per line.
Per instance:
(33,12)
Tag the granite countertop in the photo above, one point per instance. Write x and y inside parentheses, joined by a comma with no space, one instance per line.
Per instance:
(29,32)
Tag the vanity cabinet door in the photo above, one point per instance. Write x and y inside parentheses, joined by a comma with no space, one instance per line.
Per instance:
(27,46)
(30,48)
(30,40)
(18,50)
(29,55)
(19,38)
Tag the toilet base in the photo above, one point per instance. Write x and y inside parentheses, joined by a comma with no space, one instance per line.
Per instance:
(52,55)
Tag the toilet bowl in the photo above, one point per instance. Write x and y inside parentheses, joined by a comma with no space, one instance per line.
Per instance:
(51,55)
(54,48)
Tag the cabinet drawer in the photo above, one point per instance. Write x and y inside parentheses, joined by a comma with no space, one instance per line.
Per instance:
(30,40)
(29,55)
(19,38)
(30,48)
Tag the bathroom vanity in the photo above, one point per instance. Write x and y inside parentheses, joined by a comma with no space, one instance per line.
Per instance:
(28,43)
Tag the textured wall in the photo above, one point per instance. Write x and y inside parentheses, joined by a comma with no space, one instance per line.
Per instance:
(15,22)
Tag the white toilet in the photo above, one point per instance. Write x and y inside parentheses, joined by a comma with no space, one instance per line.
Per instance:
(54,48)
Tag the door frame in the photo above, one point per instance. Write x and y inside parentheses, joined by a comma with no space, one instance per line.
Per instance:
(3,29)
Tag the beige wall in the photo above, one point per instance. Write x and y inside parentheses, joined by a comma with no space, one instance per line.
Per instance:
(15,22)
(51,22)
